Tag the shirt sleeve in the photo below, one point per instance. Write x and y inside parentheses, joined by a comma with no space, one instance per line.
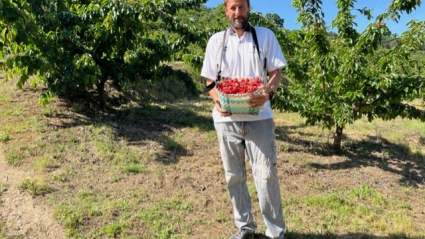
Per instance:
(275,58)
(209,66)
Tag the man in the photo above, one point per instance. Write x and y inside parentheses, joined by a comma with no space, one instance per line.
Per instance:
(237,57)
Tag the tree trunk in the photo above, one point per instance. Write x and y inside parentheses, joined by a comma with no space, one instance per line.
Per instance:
(337,139)
(101,92)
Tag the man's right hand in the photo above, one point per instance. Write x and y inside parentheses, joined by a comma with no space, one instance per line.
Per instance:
(221,111)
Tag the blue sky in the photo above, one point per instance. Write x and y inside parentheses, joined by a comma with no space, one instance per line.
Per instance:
(284,9)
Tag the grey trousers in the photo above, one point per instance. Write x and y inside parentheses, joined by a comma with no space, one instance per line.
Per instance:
(257,138)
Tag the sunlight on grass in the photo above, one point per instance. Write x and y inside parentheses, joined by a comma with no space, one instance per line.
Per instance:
(91,204)
(361,209)
(163,223)
(406,133)
(44,162)
(400,131)
(288,119)
(211,136)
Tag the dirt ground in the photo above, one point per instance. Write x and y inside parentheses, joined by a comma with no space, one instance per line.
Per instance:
(24,215)
(199,176)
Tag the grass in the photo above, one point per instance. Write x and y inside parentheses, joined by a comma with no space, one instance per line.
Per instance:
(154,171)
(35,188)
(362,209)
(3,234)
(4,137)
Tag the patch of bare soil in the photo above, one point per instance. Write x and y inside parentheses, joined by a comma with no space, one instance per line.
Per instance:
(25,216)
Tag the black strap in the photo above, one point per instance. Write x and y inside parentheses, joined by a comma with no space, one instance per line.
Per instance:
(254,36)
(212,85)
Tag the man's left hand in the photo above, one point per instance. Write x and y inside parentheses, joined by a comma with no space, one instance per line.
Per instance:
(258,100)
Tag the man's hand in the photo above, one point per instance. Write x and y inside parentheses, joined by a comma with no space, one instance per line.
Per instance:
(221,111)
(258,100)
(214,96)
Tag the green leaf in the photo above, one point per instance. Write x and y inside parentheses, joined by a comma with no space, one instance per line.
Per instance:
(3,35)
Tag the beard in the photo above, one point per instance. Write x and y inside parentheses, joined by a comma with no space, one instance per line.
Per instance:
(243,22)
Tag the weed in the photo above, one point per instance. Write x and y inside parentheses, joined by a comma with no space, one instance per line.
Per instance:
(285,148)
(60,177)
(172,145)
(71,219)
(175,205)
(221,216)
(49,111)
(134,168)
(4,137)
(160,222)
(35,188)
(44,162)
(14,158)
(36,124)
(84,194)
(116,178)
(115,229)
(362,192)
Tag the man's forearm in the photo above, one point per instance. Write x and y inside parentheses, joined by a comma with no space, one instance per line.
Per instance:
(274,81)
(213,93)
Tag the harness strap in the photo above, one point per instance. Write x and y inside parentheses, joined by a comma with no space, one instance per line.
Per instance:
(254,36)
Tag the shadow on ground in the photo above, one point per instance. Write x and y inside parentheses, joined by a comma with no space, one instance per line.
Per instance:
(143,123)
(374,152)
(146,122)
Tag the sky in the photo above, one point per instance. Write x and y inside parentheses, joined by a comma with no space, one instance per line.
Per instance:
(284,9)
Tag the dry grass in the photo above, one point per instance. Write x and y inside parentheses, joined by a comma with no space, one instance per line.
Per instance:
(154,171)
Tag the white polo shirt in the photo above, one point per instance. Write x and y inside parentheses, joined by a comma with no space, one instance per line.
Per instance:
(240,59)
